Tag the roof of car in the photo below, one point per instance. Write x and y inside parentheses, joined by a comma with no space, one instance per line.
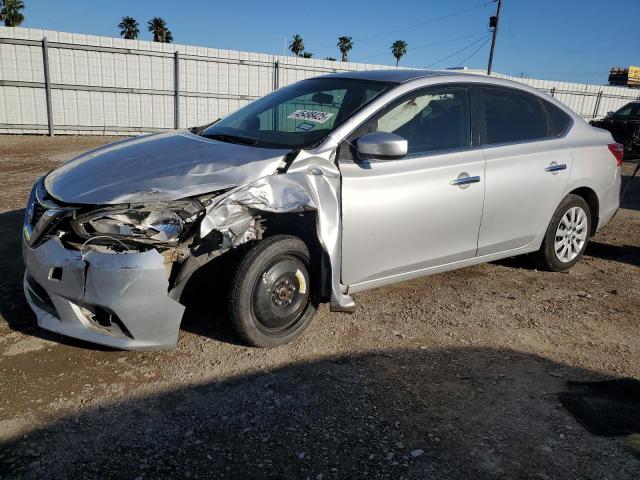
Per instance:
(395,76)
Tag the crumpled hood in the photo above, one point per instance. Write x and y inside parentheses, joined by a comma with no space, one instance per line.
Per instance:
(159,167)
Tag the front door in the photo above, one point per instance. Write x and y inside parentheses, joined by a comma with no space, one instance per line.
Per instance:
(420,211)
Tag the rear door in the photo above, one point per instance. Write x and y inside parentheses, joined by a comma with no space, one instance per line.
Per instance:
(527,167)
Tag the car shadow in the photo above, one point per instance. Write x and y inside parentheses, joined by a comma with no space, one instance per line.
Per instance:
(404,413)
(205,298)
(616,253)
(630,192)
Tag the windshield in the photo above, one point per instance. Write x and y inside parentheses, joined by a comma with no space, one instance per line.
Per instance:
(298,115)
(629,110)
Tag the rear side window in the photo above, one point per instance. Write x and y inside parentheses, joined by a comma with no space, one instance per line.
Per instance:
(559,121)
(512,116)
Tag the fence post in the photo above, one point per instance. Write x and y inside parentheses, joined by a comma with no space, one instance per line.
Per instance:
(47,85)
(276,81)
(176,86)
(276,74)
(597,107)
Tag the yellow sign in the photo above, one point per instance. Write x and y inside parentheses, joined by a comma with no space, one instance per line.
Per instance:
(634,74)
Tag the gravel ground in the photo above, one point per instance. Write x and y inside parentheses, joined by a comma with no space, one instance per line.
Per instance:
(449,376)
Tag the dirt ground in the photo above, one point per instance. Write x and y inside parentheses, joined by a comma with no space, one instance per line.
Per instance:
(449,376)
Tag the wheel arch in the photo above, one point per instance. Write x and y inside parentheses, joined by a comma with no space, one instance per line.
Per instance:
(590,196)
(299,224)
(304,226)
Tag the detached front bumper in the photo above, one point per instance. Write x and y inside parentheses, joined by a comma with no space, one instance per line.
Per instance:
(118,300)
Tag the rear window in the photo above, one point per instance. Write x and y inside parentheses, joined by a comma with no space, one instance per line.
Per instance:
(512,116)
(559,121)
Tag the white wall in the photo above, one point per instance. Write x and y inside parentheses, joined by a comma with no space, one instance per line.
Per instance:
(104,85)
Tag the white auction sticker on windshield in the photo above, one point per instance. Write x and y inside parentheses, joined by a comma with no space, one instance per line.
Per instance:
(311,116)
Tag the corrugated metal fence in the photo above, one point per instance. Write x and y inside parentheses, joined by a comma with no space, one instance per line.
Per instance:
(84,84)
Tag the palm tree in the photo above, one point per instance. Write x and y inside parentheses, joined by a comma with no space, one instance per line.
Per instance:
(10,13)
(345,44)
(160,31)
(307,54)
(399,50)
(129,28)
(297,45)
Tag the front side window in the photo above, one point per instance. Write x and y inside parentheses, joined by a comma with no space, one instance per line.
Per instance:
(431,120)
(512,116)
(298,115)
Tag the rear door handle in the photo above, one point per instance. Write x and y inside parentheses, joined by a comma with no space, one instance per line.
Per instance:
(465,180)
(555,167)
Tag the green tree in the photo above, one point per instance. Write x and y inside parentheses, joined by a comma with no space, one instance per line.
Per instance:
(161,33)
(297,45)
(10,13)
(399,50)
(307,54)
(345,44)
(129,28)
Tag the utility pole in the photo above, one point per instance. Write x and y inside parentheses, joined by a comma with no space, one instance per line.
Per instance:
(493,23)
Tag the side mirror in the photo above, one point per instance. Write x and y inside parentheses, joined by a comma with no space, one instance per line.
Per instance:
(382,146)
(609,114)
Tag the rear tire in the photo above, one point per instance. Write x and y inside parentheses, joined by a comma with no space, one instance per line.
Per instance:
(271,296)
(567,235)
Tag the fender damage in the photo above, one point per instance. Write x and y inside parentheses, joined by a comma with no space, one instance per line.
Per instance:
(311,183)
(129,297)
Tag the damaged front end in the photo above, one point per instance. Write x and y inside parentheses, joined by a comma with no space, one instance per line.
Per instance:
(114,274)
(102,274)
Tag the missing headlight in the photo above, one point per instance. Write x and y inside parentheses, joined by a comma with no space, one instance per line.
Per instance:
(165,222)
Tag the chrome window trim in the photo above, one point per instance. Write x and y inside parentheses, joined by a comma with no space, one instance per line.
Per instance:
(522,142)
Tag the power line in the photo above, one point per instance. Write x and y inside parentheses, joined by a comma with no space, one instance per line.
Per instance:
(425,22)
(428,45)
(415,25)
(474,52)
(459,51)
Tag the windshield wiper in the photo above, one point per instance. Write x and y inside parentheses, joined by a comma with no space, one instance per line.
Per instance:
(231,138)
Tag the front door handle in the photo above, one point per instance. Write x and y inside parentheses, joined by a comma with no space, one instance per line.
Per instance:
(555,167)
(465,180)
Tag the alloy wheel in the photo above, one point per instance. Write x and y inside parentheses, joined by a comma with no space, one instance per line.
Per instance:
(571,234)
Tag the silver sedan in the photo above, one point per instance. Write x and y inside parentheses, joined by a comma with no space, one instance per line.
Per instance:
(327,187)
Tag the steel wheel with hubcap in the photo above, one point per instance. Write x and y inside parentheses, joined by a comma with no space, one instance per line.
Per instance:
(567,235)
(270,299)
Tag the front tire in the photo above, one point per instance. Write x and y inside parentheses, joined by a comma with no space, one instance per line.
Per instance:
(270,299)
(567,235)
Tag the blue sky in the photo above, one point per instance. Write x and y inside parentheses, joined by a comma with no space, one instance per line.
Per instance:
(572,40)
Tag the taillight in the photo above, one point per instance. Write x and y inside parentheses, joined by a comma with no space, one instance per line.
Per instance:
(617,149)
